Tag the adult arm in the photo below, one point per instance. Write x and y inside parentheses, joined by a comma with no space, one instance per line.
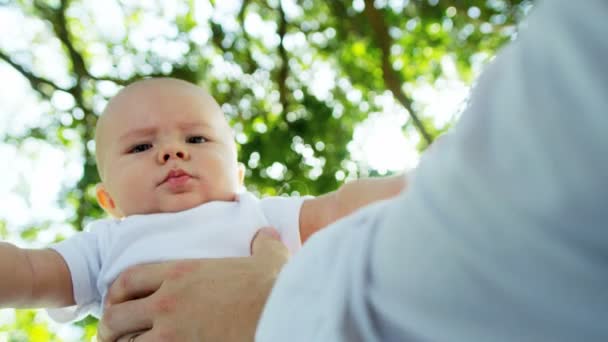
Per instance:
(33,278)
(501,235)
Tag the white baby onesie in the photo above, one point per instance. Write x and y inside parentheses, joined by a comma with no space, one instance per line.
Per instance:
(107,247)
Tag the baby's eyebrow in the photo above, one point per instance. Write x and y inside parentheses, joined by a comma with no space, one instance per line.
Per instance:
(140,132)
(192,125)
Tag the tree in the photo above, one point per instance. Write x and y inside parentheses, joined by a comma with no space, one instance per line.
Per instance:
(294,77)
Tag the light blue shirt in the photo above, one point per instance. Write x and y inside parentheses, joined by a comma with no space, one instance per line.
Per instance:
(503,232)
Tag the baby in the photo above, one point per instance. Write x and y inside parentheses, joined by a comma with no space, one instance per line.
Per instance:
(170,179)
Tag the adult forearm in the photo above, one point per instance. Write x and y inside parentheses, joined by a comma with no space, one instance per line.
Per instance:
(16,286)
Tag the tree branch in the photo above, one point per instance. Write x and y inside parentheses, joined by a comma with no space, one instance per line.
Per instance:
(284,70)
(58,19)
(127,81)
(37,83)
(251,63)
(61,30)
(391,77)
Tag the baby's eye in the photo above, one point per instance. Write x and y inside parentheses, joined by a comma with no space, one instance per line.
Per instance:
(197,139)
(140,148)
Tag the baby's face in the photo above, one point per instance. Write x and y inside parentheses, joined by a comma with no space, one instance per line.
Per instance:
(165,146)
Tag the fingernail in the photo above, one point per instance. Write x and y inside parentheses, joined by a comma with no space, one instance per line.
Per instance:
(270,232)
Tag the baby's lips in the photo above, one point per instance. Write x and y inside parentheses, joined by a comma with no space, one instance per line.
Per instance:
(175,173)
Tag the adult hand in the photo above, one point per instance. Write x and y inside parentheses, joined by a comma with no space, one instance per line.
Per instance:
(194,300)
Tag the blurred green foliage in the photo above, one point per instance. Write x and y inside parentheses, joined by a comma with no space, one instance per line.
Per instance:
(263,81)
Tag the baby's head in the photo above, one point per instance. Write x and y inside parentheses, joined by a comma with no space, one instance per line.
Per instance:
(163,145)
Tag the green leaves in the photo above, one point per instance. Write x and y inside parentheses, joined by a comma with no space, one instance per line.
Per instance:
(294,81)
(3,230)
(28,328)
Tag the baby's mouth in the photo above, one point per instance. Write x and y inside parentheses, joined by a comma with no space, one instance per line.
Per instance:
(176,177)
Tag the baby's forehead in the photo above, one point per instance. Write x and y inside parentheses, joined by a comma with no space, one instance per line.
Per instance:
(157,89)
(154,94)
(133,102)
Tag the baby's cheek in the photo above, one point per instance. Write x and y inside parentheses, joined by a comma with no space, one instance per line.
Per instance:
(137,201)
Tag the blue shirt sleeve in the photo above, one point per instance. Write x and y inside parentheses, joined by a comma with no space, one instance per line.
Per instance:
(502,234)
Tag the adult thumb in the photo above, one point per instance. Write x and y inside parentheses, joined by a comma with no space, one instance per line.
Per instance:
(267,243)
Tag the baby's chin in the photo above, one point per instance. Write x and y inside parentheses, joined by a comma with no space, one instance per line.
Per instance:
(178,202)
(189,200)
(172,206)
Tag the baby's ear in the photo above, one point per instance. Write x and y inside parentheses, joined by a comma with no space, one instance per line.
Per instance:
(105,200)
(241,173)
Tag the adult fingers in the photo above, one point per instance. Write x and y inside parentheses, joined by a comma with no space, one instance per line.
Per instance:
(136,282)
(267,244)
(152,335)
(140,336)
(124,319)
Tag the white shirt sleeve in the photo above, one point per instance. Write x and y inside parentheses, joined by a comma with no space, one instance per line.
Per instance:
(82,255)
(501,235)
(283,214)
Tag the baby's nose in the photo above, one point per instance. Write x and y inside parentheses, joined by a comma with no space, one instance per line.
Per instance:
(169,154)
(178,154)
